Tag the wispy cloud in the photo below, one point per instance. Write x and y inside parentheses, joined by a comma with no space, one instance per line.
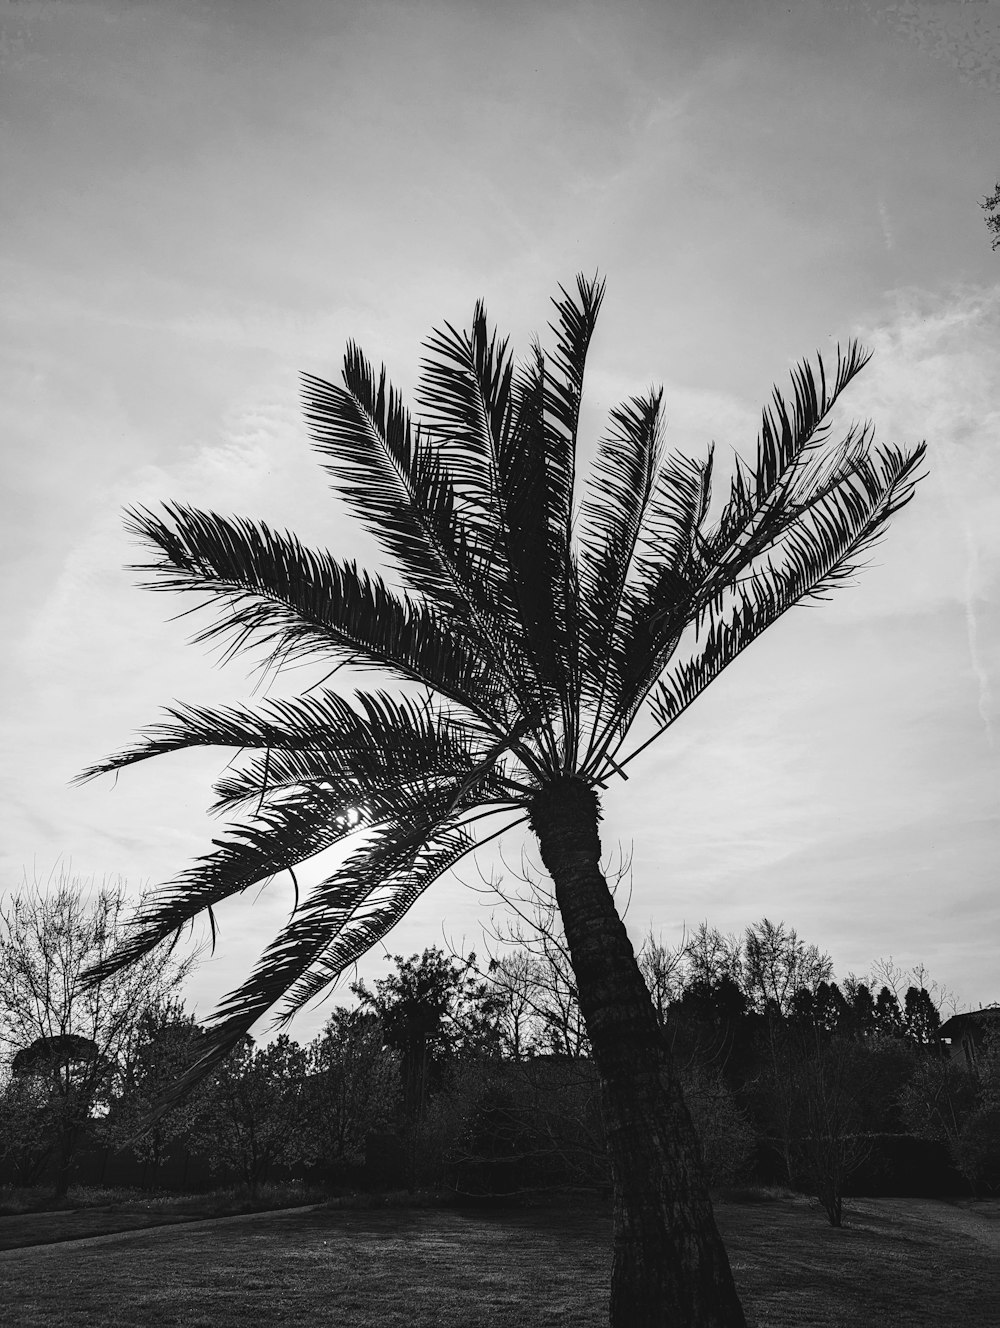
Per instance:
(883,216)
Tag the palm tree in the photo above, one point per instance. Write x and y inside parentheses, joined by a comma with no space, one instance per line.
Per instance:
(528,634)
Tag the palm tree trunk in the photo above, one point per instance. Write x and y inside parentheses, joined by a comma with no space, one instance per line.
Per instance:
(670,1266)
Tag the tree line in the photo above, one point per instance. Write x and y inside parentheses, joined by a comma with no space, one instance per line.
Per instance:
(478,1075)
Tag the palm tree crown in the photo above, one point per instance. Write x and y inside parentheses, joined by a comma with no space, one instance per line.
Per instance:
(534,627)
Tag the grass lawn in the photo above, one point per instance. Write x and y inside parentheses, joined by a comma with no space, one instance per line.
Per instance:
(898,1264)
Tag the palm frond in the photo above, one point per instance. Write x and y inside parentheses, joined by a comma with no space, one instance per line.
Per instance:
(466,401)
(427,497)
(523,491)
(387,471)
(683,571)
(819,549)
(472,403)
(612,515)
(296,602)
(337,923)
(374,733)
(667,572)
(393,850)
(401,881)
(367,779)
(536,471)
(276,839)
(787,431)
(645,565)
(562,394)
(573,328)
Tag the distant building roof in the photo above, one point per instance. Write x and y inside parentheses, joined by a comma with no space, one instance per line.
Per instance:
(970,1021)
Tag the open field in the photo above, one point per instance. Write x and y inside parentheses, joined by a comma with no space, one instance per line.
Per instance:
(898,1264)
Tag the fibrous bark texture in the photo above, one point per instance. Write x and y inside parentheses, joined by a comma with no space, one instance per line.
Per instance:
(670,1266)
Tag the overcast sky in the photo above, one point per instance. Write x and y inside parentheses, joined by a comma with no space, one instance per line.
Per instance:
(201,200)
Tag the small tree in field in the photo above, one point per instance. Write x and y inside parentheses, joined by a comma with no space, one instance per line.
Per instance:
(829,1085)
(529,625)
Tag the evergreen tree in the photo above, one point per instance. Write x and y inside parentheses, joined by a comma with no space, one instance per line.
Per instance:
(862,1005)
(888,1016)
(921,1018)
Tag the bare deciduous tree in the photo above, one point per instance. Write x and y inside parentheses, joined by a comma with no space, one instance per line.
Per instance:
(663,969)
(829,1084)
(885,972)
(532,970)
(777,964)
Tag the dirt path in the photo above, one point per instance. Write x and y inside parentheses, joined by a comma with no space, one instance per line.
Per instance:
(106,1238)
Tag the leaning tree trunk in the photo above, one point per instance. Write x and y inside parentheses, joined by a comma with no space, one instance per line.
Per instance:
(669,1266)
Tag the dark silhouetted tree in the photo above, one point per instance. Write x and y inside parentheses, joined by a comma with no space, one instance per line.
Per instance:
(921,1018)
(255,1110)
(432,1009)
(537,622)
(888,1015)
(862,1007)
(777,964)
(168,1040)
(353,1085)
